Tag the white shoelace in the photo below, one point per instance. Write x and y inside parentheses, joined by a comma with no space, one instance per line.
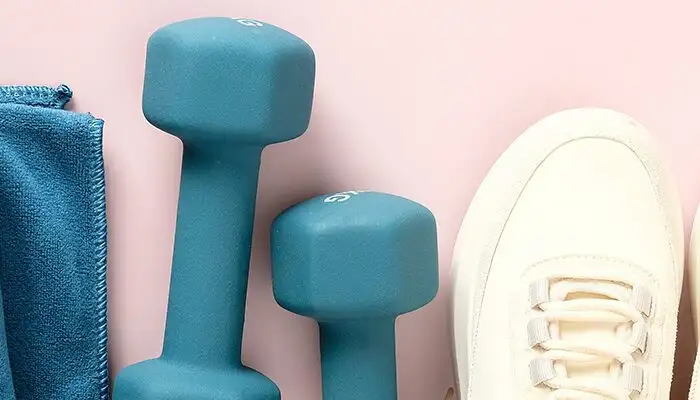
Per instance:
(606,303)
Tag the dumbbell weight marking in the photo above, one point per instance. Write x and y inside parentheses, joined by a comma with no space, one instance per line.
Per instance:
(249,22)
(342,196)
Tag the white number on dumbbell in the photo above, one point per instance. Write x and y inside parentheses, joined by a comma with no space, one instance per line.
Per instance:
(249,22)
(342,196)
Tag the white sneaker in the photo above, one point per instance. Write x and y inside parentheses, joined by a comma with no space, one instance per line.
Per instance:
(568,267)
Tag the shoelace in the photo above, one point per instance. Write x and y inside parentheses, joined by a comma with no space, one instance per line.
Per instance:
(608,303)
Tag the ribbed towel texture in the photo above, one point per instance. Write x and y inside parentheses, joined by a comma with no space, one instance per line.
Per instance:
(52,249)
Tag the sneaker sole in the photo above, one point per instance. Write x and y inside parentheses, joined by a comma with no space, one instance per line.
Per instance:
(694,277)
(694,273)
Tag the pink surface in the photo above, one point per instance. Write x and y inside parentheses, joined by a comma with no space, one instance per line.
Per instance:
(412,98)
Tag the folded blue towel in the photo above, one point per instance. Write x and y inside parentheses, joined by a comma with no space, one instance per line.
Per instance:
(52,248)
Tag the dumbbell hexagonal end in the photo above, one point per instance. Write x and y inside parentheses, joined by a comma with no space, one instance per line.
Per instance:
(354,256)
(223,79)
(158,379)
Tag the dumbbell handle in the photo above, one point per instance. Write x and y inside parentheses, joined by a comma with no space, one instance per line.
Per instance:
(358,359)
(211,259)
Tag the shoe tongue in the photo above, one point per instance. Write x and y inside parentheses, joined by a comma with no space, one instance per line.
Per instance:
(588,332)
(592,332)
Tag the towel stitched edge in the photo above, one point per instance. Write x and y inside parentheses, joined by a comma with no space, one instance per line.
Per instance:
(48,97)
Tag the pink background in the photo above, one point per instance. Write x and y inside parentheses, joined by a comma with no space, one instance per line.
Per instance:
(413,97)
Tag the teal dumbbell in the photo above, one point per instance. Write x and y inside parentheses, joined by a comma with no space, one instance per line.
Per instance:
(226,88)
(354,261)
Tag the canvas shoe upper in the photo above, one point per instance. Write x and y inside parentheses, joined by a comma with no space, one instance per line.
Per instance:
(568,267)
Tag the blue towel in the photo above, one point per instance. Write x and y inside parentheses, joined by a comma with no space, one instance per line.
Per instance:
(52,249)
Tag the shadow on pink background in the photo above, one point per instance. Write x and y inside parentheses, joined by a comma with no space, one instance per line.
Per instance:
(414,98)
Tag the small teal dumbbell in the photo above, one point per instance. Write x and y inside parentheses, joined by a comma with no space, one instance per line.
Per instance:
(354,261)
(226,88)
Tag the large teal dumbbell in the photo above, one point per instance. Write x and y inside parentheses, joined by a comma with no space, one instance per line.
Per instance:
(226,88)
(354,261)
